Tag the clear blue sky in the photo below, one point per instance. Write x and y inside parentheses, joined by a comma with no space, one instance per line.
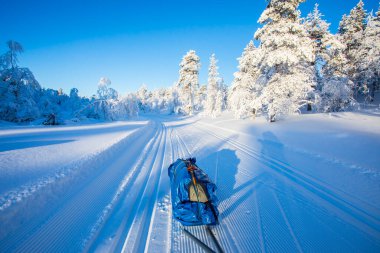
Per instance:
(73,43)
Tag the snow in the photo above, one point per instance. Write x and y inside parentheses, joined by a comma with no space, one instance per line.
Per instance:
(310,183)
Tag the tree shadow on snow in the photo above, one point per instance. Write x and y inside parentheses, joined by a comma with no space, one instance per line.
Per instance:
(271,146)
(9,146)
(223,170)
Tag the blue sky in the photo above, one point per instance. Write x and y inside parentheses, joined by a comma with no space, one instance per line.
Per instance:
(74,43)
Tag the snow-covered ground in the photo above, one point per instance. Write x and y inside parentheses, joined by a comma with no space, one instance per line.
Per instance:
(309,184)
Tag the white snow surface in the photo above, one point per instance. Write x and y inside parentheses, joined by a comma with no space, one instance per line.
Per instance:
(307,184)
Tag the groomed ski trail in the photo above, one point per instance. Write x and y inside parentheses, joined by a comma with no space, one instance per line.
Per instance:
(68,227)
(267,203)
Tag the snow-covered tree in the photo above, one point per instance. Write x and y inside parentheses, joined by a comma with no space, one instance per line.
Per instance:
(213,87)
(105,91)
(143,96)
(286,68)
(188,82)
(243,98)
(10,58)
(368,58)
(20,93)
(224,94)
(220,101)
(131,105)
(201,98)
(318,30)
(75,102)
(173,103)
(351,29)
(335,92)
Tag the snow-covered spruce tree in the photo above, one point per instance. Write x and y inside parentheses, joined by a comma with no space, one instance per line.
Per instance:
(286,68)
(188,82)
(351,29)
(224,91)
(219,103)
(212,87)
(243,98)
(336,93)
(221,98)
(368,64)
(333,86)
(318,30)
(202,97)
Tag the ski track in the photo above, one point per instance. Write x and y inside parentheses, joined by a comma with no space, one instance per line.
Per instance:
(125,206)
(334,161)
(317,186)
(74,220)
(342,204)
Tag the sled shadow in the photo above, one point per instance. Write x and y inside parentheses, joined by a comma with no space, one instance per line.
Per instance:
(9,146)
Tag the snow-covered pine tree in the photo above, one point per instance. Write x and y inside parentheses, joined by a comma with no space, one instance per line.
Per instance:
(351,29)
(243,98)
(286,68)
(368,64)
(212,86)
(188,82)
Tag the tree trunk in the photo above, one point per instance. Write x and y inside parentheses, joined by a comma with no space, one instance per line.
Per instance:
(309,107)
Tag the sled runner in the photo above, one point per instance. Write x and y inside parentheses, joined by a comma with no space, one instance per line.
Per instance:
(193,198)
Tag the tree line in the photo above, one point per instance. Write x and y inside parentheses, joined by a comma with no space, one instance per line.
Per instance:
(298,64)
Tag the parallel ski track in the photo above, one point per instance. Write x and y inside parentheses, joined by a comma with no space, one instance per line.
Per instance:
(138,237)
(312,155)
(134,193)
(369,221)
(115,220)
(63,231)
(303,152)
(135,209)
(158,240)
